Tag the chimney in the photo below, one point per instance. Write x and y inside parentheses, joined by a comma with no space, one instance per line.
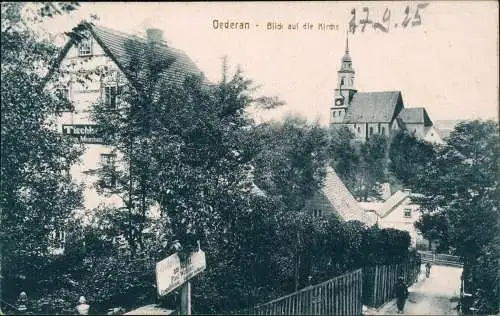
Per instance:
(154,36)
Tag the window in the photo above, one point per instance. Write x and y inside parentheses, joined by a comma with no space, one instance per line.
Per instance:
(407,212)
(334,113)
(59,236)
(108,159)
(383,130)
(110,96)
(85,45)
(359,129)
(371,131)
(342,81)
(108,175)
(64,95)
(317,213)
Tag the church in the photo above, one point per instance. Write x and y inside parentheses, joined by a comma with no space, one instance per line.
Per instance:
(381,112)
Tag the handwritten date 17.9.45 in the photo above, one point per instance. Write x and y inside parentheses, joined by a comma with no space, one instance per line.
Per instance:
(413,15)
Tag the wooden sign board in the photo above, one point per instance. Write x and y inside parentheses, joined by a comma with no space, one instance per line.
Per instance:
(170,274)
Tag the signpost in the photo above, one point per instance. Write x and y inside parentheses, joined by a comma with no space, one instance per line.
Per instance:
(171,273)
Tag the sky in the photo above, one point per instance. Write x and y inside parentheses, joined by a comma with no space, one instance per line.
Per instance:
(448,63)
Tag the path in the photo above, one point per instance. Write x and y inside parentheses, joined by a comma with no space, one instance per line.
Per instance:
(432,296)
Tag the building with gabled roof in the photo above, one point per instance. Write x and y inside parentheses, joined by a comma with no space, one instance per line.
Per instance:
(398,212)
(381,112)
(335,198)
(104,56)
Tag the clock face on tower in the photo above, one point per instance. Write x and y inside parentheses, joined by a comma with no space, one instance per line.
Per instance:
(339,101)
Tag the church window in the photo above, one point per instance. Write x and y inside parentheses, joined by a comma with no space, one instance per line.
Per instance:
(334,113)
(342,81)
(359,129)
(371,131)
(85,45)
(383,130)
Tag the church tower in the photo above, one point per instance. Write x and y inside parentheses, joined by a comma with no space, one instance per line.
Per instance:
(345,88)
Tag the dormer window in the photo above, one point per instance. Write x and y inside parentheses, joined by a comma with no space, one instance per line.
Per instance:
(85,45)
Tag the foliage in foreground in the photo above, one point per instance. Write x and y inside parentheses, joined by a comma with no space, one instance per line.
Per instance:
(36,194)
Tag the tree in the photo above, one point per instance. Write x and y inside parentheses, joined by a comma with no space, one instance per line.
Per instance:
(343,155)
(290,167)
(373,169)
(460,191)
(184,147)
(409,156)
(362,166)
(36,195)
(291,163)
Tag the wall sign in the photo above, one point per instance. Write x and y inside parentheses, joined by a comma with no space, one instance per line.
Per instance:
(86,133)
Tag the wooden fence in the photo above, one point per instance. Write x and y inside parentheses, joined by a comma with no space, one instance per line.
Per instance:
(379,281)
(440,259)
(339,296)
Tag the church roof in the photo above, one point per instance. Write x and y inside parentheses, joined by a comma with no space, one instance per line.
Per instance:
(122,47)
(346,57)
(415,115)
(335,197)
(374,107)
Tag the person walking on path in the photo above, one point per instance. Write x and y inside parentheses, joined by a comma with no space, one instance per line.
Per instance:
(401,291)
(428,269)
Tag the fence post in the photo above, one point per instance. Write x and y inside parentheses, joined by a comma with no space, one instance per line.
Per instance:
(375,287)
(360,284)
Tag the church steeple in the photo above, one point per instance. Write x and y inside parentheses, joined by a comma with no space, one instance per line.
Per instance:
(345,87)
(347,43)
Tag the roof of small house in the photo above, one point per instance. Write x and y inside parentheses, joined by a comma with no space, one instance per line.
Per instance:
(388,206)
(374,107)
(370,206)
(342,202)
(415,115)
(122,48)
